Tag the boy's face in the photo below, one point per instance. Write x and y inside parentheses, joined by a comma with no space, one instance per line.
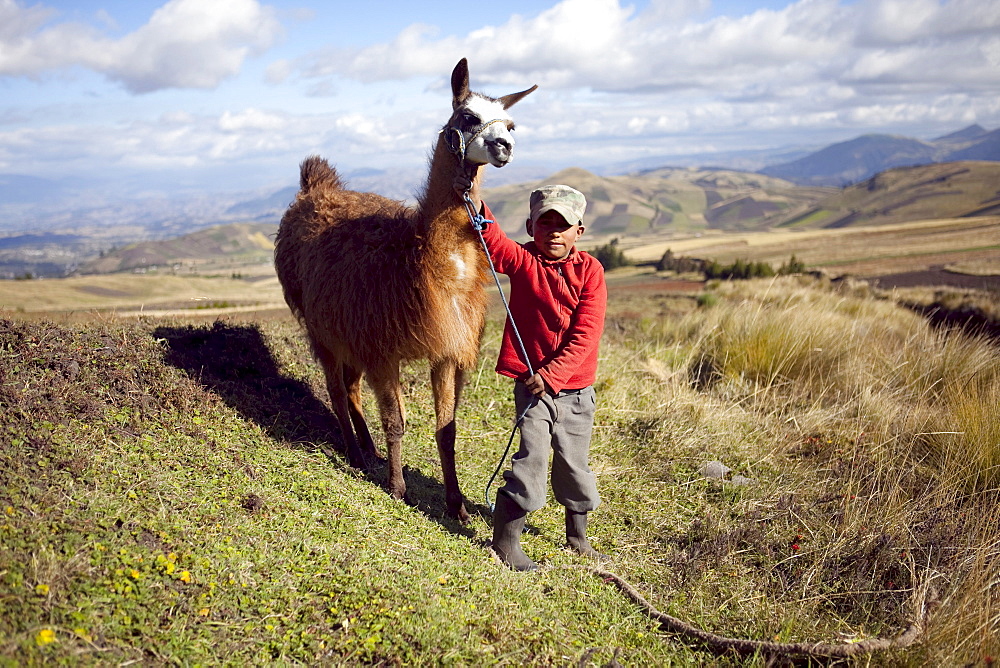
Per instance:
(553,235)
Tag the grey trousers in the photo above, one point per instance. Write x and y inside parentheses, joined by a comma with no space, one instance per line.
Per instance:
(560,424)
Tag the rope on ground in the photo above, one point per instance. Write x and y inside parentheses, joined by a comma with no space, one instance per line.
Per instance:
(722,644)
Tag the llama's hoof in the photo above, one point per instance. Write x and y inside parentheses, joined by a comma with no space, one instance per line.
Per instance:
(460,513)
(397,491)
(368,462)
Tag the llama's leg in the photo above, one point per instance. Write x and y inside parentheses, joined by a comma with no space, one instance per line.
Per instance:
(352,381)
(446,379)
(333,369)
(385,384)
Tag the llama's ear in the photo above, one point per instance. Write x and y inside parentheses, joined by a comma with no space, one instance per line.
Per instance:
(509,101)
(460,83)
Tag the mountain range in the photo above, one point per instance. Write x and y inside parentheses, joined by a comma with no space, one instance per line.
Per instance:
(852,161)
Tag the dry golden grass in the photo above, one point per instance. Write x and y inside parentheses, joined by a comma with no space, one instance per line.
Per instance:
(879,435)
(150,293)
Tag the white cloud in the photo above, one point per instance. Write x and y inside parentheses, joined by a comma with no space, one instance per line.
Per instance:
(251,119)
(185,44)
(573,34)
(244,138)
(602,45)
(278,71)
(668,79)
(889,22)
(17,21)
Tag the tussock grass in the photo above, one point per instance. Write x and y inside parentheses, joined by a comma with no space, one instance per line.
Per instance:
(897,422)
(173,493)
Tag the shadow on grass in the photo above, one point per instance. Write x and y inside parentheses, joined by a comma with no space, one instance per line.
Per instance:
(234,362)
(969,319)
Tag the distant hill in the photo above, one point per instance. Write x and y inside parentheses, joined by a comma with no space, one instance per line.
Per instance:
(851,161)
(668,199)
(985,147)
(269,207)
(963,137)
(942,190)
(236,241)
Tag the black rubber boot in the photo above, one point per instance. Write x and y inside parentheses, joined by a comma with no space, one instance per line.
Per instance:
(508,524)
(576,536)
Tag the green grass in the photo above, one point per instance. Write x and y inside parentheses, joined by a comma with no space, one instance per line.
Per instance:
(809,218)
(173,493)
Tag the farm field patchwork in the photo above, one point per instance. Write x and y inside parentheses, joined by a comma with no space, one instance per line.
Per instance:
(860,251)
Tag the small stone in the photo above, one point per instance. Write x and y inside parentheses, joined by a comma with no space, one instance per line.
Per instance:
(714,469)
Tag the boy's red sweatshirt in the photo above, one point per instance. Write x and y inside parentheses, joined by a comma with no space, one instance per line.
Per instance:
(558,306)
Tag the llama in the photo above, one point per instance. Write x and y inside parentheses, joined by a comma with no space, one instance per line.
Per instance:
(376,284)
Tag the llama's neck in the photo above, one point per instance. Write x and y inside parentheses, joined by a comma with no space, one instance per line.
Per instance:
(441,207)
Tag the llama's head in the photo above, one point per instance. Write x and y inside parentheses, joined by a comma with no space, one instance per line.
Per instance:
(483,122)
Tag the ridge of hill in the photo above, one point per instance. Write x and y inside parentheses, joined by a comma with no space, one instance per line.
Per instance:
(674,199)
(236,242)
(857,159)
(969,134)
(925,192)
(691,200)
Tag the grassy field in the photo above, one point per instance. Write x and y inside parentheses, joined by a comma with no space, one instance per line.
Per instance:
(251,288)
(861,251)
(172,492)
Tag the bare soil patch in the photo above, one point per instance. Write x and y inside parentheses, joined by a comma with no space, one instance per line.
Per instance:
(935,276)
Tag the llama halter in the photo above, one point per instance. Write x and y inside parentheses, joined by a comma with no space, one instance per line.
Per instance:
(460,147)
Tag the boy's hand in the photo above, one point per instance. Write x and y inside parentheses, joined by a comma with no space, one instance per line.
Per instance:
(463,183)
(536,385)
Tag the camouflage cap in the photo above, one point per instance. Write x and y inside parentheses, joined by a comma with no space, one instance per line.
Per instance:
(570,203)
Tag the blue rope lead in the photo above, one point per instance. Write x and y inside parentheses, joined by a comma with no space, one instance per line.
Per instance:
(479,224)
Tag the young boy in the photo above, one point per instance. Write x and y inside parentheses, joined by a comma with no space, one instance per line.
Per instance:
(558,299)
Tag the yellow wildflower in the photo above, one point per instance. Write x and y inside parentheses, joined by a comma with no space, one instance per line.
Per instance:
(45,636)
(42,589)
(203,612)
(185,576)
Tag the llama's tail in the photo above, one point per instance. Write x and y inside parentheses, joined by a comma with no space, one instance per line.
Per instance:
(316,171)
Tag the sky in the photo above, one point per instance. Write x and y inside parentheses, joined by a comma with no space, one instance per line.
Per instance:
(233,94)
